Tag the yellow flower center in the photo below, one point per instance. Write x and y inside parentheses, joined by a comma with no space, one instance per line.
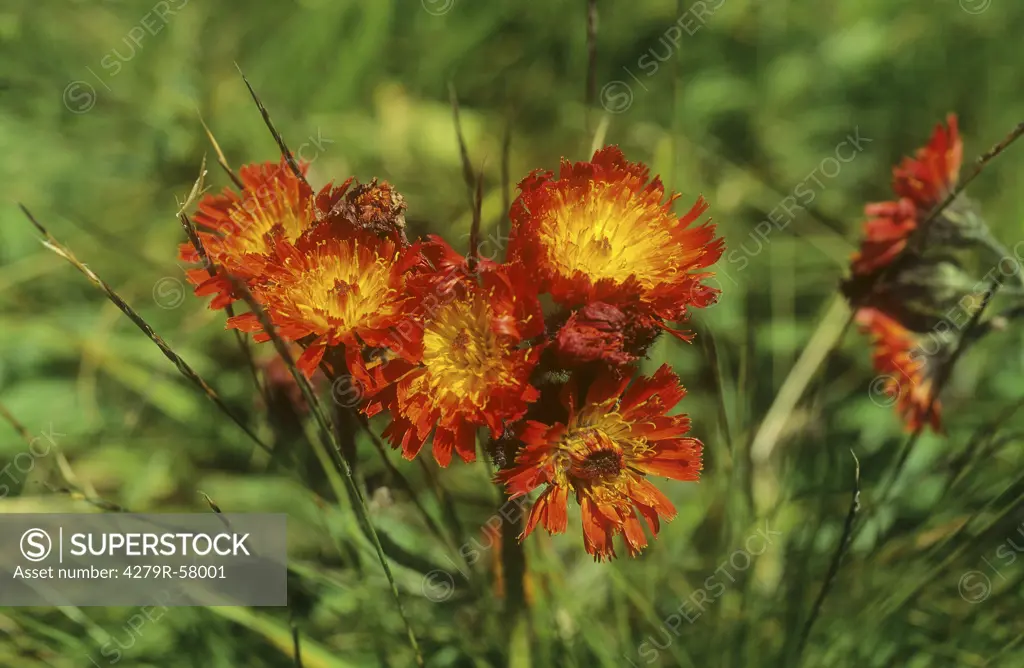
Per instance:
(256,215)
(610,234)
(464,358)
(342,290)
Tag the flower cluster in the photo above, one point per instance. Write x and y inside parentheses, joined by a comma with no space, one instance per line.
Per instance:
(908,280)
(450,347)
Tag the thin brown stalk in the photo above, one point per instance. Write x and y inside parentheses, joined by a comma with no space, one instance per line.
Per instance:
(211,503)
(289,158)
(73,493)
(221,159)
(474,183)
(95,501)
(837,558)
(467,164)
(364,424)
(243,343)
(13,421)
(590,95)
(217,511)
(942,377)
(474,229)
(183,367)
(327,432)
(328,437)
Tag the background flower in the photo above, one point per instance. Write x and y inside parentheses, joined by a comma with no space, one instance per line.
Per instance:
(908,365)
(921,183)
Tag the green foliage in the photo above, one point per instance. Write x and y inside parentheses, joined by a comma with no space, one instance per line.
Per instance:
(747,108)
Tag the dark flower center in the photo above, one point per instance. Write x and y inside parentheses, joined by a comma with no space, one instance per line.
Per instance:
(460,341)
(342,288)
(604,463)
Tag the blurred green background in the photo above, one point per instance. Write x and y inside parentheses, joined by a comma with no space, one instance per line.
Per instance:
(100,133)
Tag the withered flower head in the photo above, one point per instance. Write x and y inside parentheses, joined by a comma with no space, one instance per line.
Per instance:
(603,332)
(377,207)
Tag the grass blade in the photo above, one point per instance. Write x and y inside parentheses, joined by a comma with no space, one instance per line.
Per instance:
(221,159)
(506,179)
(296,646)
(830,332)
(273,131)
(474,229)
(833,569)
(590,95)
(182,366)
(327,436)
(467,164)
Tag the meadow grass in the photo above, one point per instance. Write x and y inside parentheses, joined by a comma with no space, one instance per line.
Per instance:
(820,533)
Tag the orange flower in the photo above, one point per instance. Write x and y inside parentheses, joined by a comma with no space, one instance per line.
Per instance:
(239,231)
(907,372)
(233,227)
(469,364)
(601,232)
(603,455)
(339,284)
(921,183)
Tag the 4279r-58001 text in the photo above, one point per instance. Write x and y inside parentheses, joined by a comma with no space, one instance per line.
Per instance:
(133,572)
(182,572)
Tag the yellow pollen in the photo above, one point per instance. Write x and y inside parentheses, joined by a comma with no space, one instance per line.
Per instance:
(254,217)
(342,290)
(612,234)
(464,358)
